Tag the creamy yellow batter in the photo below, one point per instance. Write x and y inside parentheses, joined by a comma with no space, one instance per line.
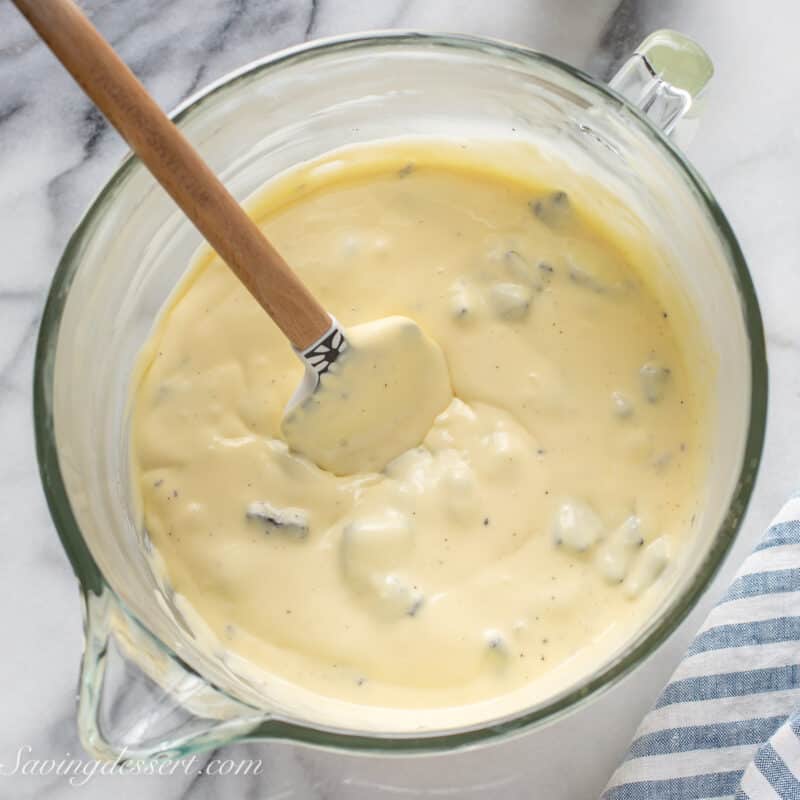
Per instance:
(535,528)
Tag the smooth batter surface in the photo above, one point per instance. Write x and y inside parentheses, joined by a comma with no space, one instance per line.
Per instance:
(537,526)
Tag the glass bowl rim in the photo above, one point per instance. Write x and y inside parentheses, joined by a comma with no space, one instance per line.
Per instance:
(85,567)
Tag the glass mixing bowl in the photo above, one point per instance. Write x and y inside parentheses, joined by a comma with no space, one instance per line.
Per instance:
(146,688)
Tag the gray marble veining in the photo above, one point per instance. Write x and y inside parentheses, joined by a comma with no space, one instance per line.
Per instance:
(56,152)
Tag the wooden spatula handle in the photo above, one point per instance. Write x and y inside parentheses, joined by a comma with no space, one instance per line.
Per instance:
(178,167)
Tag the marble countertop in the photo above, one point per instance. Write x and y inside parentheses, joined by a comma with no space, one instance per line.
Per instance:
(56,152)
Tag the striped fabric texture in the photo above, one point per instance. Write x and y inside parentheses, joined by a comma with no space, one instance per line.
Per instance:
(728,723)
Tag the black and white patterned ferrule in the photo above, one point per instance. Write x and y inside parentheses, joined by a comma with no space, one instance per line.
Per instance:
(323,354)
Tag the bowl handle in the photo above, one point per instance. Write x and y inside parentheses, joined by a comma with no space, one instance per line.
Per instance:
(665,79)
(137,701)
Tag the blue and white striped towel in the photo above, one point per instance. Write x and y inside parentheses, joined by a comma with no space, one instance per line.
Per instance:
(728,723)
